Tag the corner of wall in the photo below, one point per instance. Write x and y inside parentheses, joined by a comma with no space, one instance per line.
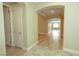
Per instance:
(29,48)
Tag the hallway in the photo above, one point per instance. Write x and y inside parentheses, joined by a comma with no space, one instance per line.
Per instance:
(39,29)
(50,26)
(52,43)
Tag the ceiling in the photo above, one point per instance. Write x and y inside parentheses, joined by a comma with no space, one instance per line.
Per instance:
(52,12)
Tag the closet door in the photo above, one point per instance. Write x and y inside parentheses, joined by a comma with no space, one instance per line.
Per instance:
(17,26)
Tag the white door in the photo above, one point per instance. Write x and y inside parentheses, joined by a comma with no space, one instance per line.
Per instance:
(7,25)
(17,26)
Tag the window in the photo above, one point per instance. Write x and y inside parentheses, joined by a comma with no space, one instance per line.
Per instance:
(55,25)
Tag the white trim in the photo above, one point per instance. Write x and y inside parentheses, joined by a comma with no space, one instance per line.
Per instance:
(71,51)
(29,48)
(10,9)
(12,39)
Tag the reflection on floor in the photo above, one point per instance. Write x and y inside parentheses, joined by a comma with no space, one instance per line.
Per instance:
(51,40)
(14,51)
(54,39)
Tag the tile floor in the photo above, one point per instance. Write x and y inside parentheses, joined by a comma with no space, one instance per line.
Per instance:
(38,50)
(44,48)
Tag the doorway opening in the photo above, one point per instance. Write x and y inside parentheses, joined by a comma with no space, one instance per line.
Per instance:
(13,24)
(51,26)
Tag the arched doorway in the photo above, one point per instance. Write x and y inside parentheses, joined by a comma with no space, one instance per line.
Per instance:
(44,17)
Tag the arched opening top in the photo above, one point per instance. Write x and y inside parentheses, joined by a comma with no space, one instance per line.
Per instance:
(49,12)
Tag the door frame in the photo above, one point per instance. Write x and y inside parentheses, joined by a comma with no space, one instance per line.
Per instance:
(11,26)
(11,22)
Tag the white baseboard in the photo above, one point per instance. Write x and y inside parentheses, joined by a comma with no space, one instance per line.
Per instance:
(29,48)
(71,51)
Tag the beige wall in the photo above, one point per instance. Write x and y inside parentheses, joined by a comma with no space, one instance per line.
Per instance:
(71,30)
(2,35)
(42,24)
(31,24)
